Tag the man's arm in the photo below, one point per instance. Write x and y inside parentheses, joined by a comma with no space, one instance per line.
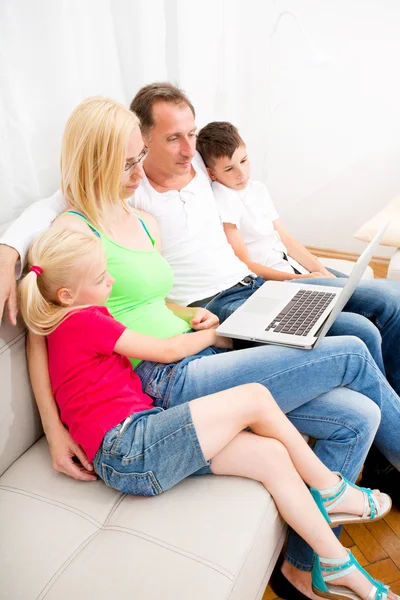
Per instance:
(236,240)
(8,286)
(15,242)
(299,252)
(62,447)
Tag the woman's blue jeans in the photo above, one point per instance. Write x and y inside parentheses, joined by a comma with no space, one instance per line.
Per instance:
(312,387)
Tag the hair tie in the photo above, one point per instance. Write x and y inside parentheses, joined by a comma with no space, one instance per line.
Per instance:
(36,269)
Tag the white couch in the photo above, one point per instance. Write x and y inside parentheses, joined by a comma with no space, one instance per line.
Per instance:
(60,539)
(209,537)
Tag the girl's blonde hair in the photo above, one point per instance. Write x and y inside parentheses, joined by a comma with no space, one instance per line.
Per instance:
(59,254)
(93,155)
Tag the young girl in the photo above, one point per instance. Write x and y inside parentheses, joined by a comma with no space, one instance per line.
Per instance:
(139,449)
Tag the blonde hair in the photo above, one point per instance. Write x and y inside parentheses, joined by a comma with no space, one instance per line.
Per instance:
(93,155)
(59,254)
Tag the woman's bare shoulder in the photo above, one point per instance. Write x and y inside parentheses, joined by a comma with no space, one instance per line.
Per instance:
(70,222)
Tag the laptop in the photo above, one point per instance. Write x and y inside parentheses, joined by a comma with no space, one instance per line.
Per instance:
(294,314)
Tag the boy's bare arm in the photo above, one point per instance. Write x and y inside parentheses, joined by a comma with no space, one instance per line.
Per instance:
(299,252)
(235,239)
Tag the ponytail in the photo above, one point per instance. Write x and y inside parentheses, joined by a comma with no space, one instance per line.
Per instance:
(57,257)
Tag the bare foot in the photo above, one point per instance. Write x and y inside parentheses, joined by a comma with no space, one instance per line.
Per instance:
(301,580)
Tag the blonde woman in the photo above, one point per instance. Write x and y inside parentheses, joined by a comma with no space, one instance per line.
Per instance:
(142,450)
(101,167)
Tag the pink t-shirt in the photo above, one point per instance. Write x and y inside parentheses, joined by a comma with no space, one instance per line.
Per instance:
(94,387)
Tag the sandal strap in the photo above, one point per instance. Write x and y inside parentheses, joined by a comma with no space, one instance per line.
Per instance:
(337,493)
(372,508)
(334,568)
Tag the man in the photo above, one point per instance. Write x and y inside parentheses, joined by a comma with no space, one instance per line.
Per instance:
(177,192)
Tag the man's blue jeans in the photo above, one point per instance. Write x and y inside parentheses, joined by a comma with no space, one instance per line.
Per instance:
(378,301)
(343,422)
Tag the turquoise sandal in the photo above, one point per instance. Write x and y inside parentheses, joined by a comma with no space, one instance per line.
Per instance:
(339,567)
(373,510)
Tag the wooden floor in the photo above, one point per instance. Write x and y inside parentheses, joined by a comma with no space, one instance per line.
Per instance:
(376,546)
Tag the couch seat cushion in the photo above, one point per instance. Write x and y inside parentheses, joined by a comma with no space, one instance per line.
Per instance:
(209,537)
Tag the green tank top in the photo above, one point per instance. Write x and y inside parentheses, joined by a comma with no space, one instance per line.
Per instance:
(143,279)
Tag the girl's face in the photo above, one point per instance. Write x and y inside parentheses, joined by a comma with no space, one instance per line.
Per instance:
(136,152)
(94,284)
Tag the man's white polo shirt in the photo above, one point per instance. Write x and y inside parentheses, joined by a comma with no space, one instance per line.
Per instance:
(192,238)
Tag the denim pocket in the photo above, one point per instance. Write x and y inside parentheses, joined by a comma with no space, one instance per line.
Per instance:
(137,484)
(157,383)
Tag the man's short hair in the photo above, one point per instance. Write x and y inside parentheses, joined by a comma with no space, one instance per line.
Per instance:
(143,102)
(216,140)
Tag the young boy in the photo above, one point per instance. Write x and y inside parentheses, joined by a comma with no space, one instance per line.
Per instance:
(247,212)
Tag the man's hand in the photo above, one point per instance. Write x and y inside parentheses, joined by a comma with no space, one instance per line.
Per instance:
(8,286)
(63,451)
(203,319)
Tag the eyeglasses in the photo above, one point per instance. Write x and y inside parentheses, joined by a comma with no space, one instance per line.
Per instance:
(131,167)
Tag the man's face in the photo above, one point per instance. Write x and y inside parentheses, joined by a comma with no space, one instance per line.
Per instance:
(172,141)
(233,172)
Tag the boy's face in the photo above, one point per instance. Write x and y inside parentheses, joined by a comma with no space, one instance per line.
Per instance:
(233,172)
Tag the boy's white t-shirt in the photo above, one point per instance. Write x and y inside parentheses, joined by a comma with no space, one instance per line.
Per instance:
(254,213)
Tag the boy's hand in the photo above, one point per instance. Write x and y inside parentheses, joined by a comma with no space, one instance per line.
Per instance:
(203,319)
(8,285)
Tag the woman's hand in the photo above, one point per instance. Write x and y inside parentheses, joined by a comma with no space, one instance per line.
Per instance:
(63,450)
(203,319)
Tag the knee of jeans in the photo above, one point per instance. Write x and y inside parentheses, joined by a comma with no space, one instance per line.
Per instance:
(354,345)
(369,334)
(369,420)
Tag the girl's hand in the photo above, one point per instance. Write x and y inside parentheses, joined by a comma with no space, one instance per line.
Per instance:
(203,319)
(223,342)
(63,451)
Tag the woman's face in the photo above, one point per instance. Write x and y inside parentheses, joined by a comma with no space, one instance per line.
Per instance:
(133,172)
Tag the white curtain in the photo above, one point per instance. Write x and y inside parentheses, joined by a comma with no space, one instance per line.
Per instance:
(313,87)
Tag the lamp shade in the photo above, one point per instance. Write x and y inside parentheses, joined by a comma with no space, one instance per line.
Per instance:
(371,227)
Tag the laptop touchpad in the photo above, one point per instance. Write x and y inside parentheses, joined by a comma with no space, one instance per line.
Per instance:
(261,305)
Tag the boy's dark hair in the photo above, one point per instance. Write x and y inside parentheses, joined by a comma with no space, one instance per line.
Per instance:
(218,139)
(143,102)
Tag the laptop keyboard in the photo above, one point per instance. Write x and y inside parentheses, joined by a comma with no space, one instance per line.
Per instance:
(301,313)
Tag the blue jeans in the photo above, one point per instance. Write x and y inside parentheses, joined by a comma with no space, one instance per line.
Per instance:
(151,451)
(377,300)
(343,422)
